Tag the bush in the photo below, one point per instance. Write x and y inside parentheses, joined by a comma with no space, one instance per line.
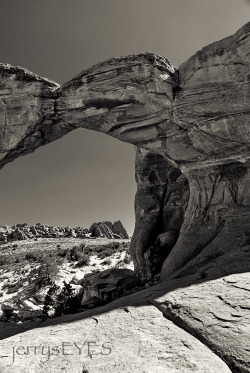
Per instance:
(61,252)
(106,262)
(33,256)
(4,259)
(105,253)
(127,259)
(60,302)
(75,253)
(84,261)
(47,271)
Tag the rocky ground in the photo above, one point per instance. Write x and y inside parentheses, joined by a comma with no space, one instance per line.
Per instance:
(29,269)
(197,323)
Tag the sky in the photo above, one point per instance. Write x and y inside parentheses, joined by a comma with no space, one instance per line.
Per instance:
(86,176)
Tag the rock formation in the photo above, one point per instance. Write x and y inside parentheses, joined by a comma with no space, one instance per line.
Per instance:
(107,285)
(108,230)
(191,131)
(25,231)
(193,121)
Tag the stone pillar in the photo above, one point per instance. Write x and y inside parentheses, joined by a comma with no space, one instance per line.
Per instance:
(217,217)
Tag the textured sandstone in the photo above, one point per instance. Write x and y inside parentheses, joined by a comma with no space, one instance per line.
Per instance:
(160,204)
(25,100)
(196,118)
(107,285)
(109,230)
(140,338)
(191,130)
(215,308)
(210,311)
(204,322)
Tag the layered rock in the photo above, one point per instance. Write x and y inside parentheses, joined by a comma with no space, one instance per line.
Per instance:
(107,285)
(196,118)
(115,97)
(25,231)
(108,230)
(160,203)
(25,101)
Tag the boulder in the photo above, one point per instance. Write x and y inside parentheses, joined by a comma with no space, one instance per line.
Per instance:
(101,230)
(108,285)
(119,230)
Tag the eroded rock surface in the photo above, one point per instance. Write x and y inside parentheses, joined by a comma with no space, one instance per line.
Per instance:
(191,130)
(160,204)
(24,231)
(109,230)
(195,118)
(140,339)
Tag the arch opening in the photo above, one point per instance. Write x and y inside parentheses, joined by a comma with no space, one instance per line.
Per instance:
(70,182)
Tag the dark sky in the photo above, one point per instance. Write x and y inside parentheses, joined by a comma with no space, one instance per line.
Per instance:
(87,176)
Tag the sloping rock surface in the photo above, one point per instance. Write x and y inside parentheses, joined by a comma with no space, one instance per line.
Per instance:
(195,323)
(139,337)
(202,323)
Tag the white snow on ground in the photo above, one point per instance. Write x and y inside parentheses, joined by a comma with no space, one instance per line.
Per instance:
(13,281)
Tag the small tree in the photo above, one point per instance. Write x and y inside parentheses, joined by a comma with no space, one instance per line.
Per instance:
(47,271)
(60,301)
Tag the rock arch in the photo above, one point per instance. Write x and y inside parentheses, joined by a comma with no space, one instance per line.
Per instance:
(195,119)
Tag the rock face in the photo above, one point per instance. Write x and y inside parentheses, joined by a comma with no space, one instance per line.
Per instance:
(160,204)
(108,230)
(107,285)
(25,98)
(193,121)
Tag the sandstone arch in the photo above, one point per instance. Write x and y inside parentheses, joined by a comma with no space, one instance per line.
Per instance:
(195,118)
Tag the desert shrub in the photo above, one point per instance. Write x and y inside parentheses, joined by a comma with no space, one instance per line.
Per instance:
(75,253)
(106,262)
(84,260)
(47,271)
(61,252)
(127,259)
(4,259)
(33,256)
(105,253)
(60,302)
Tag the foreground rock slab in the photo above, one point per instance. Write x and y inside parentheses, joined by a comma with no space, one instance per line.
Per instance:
(197,323)
(127,339)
